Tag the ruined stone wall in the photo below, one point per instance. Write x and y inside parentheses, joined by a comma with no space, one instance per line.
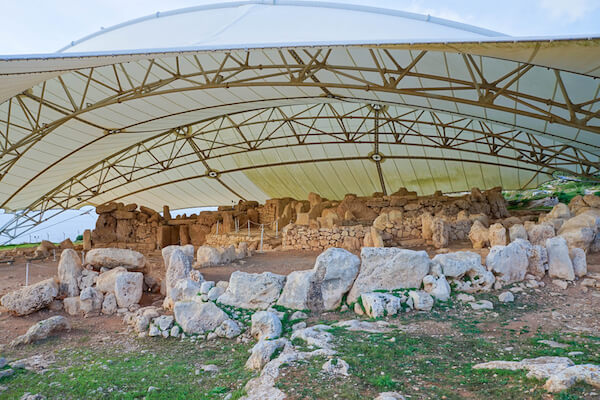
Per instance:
(397,233)
(301,237)
(400,219)
(124,226)
(230,239)
(394,220)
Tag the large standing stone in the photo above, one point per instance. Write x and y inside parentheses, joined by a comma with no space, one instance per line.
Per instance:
(167,252)
(427,226)
(380,223)
(381,304)
(579,261)
(538,261)
(296,293)
(335,272)
(180,266)
(109,305)
(185,289)
(508,263)
(128,288)
(389,268)
(207,256)
(559,263)
(30,298)
(581,230)
(265,325)
(538,234)
(252,291)
(69,272)
(106,280)
(479,235)
(90,301)
(112,257)
(87,240)
(455,265)
(440,233)
(376,237)
(227,254)
(497,235)
(517,231)
(196,318)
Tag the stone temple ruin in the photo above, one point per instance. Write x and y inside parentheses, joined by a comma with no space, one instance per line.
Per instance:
(364,267)
(400,219)
(400,106)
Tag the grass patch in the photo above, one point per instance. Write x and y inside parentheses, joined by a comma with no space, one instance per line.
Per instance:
(168,365)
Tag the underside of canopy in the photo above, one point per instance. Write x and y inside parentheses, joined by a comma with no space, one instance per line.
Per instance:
(196,127)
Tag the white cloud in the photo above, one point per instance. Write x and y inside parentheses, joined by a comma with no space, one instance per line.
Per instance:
(570,10)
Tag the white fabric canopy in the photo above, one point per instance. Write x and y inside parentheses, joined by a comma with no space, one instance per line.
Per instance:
(219,121)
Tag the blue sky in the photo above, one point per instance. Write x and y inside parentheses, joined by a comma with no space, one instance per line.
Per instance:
(43,26)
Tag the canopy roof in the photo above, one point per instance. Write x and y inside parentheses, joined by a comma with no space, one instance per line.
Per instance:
(216,123)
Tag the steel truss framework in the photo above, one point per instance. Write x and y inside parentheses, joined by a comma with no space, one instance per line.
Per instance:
(295,98)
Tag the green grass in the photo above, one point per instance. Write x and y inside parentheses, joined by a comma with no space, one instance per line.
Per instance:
(28,245)
(169,365)
(563,190)
(18,246)
(433,362)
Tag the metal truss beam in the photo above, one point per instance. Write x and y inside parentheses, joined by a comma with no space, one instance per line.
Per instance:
(32,115)
(230,135)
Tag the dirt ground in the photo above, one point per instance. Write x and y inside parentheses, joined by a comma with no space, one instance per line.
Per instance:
(537,313)
(570,308)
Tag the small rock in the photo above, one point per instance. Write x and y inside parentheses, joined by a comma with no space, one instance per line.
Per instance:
(465,297)
(154,331)
(175,331)
(482,305)
(422,301)
(209,368)
(298,315)
(6,373)
(214,293)
(299,325)
(228,329)
(390,396)
(262,351)
(553,344)
(506,297)
(265,325)
(560,283)
(206,286)
(164,322)
(336,366)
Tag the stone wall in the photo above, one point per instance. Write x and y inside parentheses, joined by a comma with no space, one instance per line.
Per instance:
(377,220)
(123,226)
(401,219)
(396,233)
(231,239)
(301,237)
